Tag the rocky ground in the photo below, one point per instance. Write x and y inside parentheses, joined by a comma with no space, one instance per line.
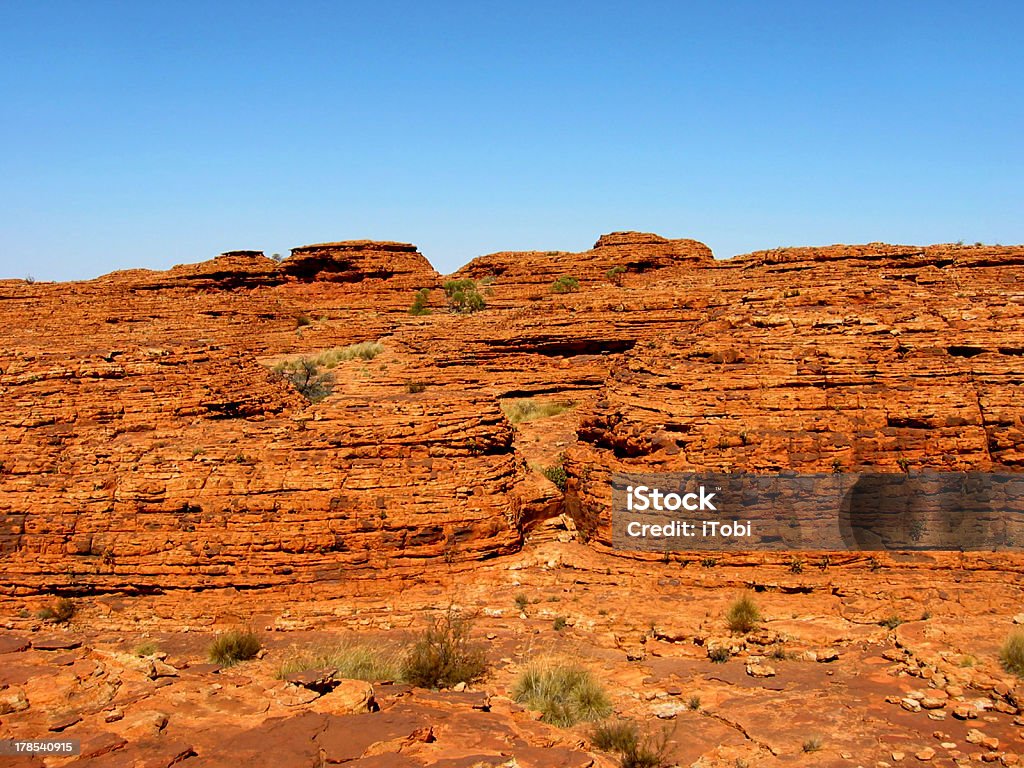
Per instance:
(827,678)
(162,476)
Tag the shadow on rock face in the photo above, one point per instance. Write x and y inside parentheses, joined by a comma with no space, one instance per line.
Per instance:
(942,511)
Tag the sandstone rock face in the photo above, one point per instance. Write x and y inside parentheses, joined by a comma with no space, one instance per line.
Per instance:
(833,359)
(231,270)
(642,251)
(399,265)
(149,445)
(620,257)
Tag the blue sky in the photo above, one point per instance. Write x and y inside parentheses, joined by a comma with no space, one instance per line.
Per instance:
(155,133)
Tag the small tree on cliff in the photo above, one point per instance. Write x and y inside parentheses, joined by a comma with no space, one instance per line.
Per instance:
(463,296)
(565,284)
(420,303)
(306,377)
(615,274)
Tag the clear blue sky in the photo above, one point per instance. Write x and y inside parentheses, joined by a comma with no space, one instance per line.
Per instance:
(155,133)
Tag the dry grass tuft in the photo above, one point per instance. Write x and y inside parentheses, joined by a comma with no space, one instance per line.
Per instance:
(565,693)
(352,661)
(518,411)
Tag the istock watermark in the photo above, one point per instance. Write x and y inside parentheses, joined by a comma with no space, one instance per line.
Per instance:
(944,511)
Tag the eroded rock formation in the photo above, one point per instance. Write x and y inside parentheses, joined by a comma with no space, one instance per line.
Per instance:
(150,445)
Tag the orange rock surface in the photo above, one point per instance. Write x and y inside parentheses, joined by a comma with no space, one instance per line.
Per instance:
(162,474)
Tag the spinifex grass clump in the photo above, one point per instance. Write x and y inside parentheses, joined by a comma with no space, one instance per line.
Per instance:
(146,648)
(234,646)
(353,661)
(564,693)
(743,615)
(635,750)
(615,735)
(60,612)
(364,350)
(1011,654)
(444,654)
(520,410)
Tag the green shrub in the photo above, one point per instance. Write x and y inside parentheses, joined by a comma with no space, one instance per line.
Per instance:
(525,409)
(565,284)
(351,661)
(415,387)
(444,654)
(615,274)
(694,702)
(307,379)
(234,646)
(559,623)
(301,321)
(1011,654)
(145,648)
(420,304)
(564,694)
(812,744)
(463,296)
(60,612)
(743,615)
(796,565)
(891,622)
(719,654)
(623,737)
(522,601)
(556,474)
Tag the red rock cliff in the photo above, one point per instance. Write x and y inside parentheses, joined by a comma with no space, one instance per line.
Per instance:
(149,444)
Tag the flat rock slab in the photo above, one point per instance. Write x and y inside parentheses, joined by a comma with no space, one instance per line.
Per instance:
(734,672)
(551,757)
(64,723)
(313,678)
(347,738)
(101,744)
(13,643)
(277,742)
(152,754)
(475,761)
(13,672)
(57,643)
(469,699)
(200,669)
(390,760)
